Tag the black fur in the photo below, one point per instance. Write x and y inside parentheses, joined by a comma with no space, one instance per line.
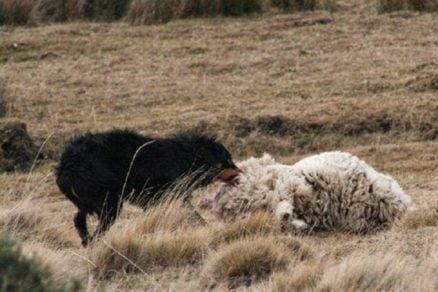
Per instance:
(93,170)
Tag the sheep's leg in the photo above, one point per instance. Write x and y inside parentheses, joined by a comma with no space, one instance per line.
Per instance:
(80,222)
(300,225)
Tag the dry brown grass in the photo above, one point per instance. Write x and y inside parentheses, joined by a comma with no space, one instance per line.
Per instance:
(422,218)
(246,261)
(290,85)
(257,224)
(381,271)
(127,252)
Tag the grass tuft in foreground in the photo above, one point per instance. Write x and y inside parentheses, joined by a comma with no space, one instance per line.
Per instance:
(246,261)
(19,273)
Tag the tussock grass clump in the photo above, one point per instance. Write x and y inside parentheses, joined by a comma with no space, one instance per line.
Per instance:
(360,271)
(424,82)
(148,12)
(421,218)
(260,223)
(27,222)
(128,252)
(170,215)
(419,5)
(302,277)
(17,151)
(302,5)
(246,261)
(392,271)
(21,221)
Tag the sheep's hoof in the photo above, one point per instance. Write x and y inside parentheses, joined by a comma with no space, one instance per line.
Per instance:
(300,226)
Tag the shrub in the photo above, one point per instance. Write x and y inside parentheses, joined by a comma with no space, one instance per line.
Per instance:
(301,5)
(156,11)
(168,216)
(15,11)
(240,7)
(48,10)
(18,273)
(419,5)
(105,9)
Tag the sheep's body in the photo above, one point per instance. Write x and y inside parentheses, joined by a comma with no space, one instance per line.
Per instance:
(329,191)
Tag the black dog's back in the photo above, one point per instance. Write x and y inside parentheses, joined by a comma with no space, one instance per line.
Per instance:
(97,172)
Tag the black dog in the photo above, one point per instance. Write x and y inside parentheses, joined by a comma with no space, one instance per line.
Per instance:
(97,172)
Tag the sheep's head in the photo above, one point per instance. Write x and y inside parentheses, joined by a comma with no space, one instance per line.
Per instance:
(286,219)
(283,211)
(262,185)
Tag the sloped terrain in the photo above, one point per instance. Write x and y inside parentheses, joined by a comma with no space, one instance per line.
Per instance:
(288,84)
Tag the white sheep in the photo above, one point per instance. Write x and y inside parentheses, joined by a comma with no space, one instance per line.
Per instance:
(329,191)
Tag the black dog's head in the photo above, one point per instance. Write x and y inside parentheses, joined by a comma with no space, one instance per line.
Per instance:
(211,158)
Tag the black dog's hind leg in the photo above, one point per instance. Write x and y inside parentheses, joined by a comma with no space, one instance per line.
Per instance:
(80,222)
(107,216)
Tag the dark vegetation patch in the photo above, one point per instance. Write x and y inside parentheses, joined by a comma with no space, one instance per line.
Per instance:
(4,104)
(275,134)
(17,150)
(105,9)
(418,5)
(424,82)
(301,19)
(300,5)
(19,273)
(22,12)
(15,11)
(148,12)
(425,77)
(284,135)
(25,12)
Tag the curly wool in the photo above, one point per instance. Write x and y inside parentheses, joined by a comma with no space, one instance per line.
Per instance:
(329,191)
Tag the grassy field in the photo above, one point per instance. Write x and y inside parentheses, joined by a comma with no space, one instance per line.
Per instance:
(288,84)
